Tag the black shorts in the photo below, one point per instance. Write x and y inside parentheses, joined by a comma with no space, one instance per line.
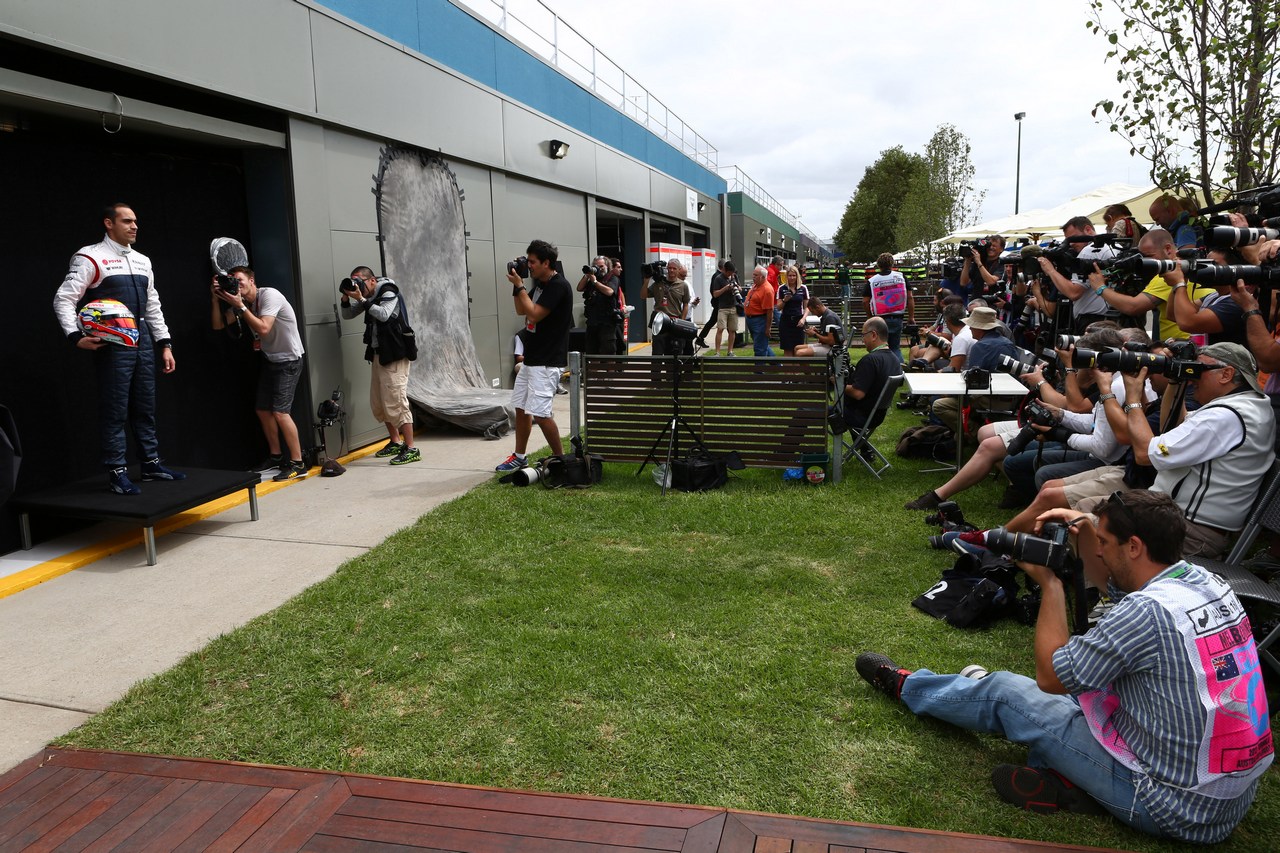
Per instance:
(276,383)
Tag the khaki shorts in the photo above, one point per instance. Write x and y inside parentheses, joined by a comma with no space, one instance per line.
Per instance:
(727,319)
(1087,490)
(388,392)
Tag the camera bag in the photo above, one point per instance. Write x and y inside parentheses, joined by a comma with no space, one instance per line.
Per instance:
(978,589)
(572,472)
(703,470)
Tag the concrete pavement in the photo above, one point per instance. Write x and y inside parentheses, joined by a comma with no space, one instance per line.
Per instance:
(72,645)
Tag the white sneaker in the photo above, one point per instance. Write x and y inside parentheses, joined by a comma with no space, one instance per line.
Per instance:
(974,671)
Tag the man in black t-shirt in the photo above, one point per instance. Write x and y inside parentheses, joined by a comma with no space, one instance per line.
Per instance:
(599,291)
(548,313)
(870,376)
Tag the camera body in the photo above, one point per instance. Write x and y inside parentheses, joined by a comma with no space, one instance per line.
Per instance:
(1051,549)
(228,284)
(1034,414)
(348,285)
(656,270)
(520,266)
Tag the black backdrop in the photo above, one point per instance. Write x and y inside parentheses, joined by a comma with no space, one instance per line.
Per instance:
(55,178)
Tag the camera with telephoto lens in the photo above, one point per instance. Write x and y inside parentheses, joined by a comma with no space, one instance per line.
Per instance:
(520,266)
(1225,275)
(1034,414)
(1064,260)
(1021,364)
(980,246)
(933,339)
(656,270)
(1174,369)
(1130,271)
(1050,549)
(1066,342)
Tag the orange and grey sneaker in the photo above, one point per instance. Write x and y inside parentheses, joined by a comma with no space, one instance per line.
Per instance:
(882,673)
(1039,789)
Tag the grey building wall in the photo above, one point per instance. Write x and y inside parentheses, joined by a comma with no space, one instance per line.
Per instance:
(345,91)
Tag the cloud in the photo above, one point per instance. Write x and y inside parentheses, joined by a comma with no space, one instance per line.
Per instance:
(805,100)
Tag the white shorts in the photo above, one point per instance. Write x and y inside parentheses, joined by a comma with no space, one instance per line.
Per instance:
(820,350)
(1006,430)
(535,389)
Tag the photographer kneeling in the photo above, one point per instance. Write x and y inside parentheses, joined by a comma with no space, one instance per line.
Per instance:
(1157,714)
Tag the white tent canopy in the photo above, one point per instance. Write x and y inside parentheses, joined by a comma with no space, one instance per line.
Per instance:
(1047,223)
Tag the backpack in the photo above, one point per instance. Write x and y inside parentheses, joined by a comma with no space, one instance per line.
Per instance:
(930,441)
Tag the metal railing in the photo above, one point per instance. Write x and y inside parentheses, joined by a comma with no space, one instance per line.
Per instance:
(740,181)
(538,29)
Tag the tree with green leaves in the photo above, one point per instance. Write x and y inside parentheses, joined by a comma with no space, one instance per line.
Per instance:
(941,197)
(871,217)
(1199,78)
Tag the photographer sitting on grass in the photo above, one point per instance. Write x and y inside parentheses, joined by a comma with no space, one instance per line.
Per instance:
(1157,715)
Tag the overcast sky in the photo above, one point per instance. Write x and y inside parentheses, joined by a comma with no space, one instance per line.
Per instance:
(804,95)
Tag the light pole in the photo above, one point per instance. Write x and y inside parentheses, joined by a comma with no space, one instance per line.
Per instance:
(1017,175)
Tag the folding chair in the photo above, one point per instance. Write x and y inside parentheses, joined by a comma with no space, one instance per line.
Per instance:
(856,442)
(1261,599)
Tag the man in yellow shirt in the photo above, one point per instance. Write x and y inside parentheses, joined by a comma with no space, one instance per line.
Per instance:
(1156,243)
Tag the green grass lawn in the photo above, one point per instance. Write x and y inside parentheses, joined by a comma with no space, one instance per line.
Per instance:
(692,649)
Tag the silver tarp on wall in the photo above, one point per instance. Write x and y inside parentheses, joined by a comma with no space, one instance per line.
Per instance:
(424,250)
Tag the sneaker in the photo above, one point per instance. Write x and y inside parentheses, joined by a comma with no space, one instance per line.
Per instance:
(929,500)
(291,471)
(271,463)
(392,449)
(155,470)
(975,671)
(512,463)
(118,480)
(409,454)
(1101,609)
(881,673)
(1041,790)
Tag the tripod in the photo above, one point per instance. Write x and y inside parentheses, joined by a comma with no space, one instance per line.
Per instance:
(671,430)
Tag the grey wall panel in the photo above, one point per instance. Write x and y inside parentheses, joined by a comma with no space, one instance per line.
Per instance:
(270,63)
(621,179)
(477,198)
(399,96)
(526,136)
(350,165)
(666,196)
(484,281)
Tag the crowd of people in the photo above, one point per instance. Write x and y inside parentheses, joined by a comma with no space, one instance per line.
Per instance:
(1147,430)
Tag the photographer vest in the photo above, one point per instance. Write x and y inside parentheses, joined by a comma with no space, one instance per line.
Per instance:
(1219,492)
(888,294)
(1235,745)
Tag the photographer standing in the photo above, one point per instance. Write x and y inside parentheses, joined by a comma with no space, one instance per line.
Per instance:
(887,296)
(389,346)
(1157,715)
(548,313)
(270,320)
(670,296)
(981,273)
(726,297)
(1087,306)
(599,289)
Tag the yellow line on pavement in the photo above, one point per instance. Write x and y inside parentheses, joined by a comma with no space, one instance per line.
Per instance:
(50,569)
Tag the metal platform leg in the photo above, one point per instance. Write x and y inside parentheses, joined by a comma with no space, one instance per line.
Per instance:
(24,529)
(149,542)
(253,503)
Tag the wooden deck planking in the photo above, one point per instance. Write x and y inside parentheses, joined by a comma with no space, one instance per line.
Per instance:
(93,800)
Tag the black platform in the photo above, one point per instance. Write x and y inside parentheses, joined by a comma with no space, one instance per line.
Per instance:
(91,498)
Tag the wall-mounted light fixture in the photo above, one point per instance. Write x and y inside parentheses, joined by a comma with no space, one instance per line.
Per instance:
(761,230)
(702,205)
(558,149)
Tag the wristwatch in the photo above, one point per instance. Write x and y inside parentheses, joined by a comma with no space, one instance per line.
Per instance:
(1252,312)
(1102,398)
(1129,407)
(238,312)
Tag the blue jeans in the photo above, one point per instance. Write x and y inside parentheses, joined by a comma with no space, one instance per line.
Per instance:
(1052,726)
(758,326)
(1025,476)
(894,340)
